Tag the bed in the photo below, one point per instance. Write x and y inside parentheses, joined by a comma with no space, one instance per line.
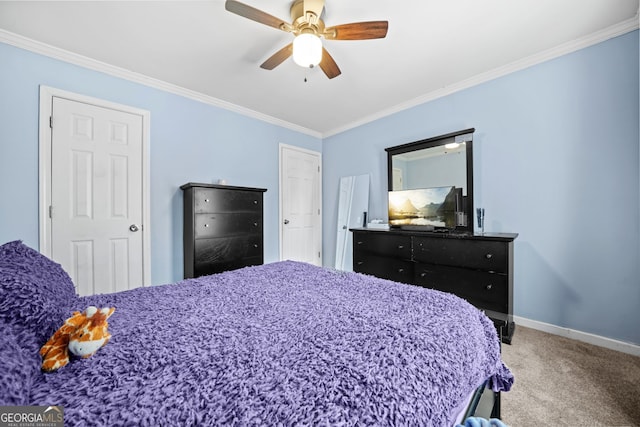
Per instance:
(286,343)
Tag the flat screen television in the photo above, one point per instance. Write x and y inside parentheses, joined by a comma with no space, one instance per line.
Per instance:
(428,208)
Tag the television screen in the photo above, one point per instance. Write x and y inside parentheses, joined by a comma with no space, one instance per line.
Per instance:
(429,207)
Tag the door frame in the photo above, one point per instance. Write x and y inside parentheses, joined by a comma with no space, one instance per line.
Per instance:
(318,154)
(44,168)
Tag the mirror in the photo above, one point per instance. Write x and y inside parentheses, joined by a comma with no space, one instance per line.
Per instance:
(353,205)
(442,161)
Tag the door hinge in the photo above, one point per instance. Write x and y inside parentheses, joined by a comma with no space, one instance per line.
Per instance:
(50,211)
(51,122)
(318,254)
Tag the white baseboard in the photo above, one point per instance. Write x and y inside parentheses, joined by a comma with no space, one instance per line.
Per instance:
(598,340)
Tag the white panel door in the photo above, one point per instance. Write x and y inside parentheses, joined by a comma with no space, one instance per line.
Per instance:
(300,201)
(96,196)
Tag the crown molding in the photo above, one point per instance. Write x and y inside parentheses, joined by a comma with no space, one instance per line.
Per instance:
(93,64)
(538,58)
(86,62)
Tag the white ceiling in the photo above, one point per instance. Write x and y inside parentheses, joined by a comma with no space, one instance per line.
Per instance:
(433,47)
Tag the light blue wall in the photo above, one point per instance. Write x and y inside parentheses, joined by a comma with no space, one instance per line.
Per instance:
(556,157)
(189,142)
(556,160)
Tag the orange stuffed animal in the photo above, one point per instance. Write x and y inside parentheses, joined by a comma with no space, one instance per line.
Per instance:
(82,334)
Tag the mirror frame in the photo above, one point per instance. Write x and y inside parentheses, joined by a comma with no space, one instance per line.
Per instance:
(435,142)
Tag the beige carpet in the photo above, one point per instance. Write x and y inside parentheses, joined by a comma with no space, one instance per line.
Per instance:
(563,382)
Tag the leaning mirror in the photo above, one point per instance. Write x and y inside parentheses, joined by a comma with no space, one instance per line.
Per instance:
(431,183)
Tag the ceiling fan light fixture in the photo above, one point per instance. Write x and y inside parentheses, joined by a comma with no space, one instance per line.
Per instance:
(307,50)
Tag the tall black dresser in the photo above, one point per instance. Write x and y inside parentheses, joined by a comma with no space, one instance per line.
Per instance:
(223,228)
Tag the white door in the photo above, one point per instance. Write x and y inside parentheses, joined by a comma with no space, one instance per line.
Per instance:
(97,195)
(300,205)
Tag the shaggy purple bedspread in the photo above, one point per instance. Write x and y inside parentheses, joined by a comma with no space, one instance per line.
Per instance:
(281,344)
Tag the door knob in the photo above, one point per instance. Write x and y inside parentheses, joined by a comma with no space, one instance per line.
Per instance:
(133,228)
(286,221)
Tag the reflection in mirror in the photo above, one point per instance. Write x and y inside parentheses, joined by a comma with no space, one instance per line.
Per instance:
(442,161)
(438,166)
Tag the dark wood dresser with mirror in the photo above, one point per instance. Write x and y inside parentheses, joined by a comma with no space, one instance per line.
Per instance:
(223,228)
(431,241)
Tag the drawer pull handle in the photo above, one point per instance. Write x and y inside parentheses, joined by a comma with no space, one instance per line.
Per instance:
(255,245)
(489,256)
(206,200)
(255,224)
(400,246)
(401,270)
(489,286)
(423,274)
(360,242)
(360,262)
(255,202)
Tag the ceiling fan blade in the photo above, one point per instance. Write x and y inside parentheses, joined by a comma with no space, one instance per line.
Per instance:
(358,31)
(328,65)
(254,14)
(278,57)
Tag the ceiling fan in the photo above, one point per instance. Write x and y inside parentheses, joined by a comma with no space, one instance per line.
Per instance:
(308,27)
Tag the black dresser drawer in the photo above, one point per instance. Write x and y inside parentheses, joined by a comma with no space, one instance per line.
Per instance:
(227,224)
(224,249)
(481,288)
(217,200)
(218,267)
(478,254)
(384,267)
(383,244)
